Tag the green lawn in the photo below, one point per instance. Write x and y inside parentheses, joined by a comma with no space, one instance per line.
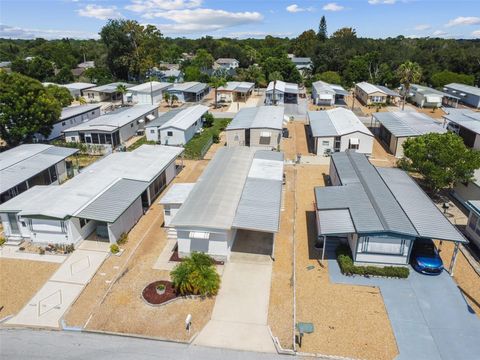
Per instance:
(200,142)
(143,140)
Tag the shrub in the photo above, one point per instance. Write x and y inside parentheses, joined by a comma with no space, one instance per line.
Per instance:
(114,249)
(160,287)
(2,240)
(216,138)
(196,275)
(41,251)
(123,239)
(208,120)
(345,262)
(69,248)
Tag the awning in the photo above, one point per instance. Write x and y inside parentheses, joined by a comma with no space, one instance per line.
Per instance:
(334,222)
(463,94)
(199,235)
(265,134)
(326,96)
(354,141)
(433,99)
(128,94)
(141,121)
(150,117)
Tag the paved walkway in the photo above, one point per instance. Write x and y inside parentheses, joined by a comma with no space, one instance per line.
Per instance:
(13,252)
(430,318)
(50,303)
(239,318)
(22,344)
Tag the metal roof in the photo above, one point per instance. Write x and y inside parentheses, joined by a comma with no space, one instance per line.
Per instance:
(71,111)
(282,86)
(335,222)
(115,119)
(425,216)
(191,87)
(408,123)
(110,88)
(163,118)
(261,117)
(464,117)
(426,91)
(177,193)
(150,86)
(185,118)
(226,60)
(467,89)
(370,88)
(241,187)
(382,200)
(78,86)
(25,161)
(143,164)
(335,122)
(237,86)
(114,201)
(324,87)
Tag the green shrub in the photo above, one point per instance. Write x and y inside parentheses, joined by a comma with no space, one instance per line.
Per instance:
(2,240)
(114,249)
(196,275)
(160,287)
(41,251)
(123,239)
(345,262)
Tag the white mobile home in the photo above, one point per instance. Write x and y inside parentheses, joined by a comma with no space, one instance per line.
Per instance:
(149,93)
(71,116)
(176,127)
(106,200)
(173,200)
(107,92)
(424,96)
(338,130)
(469,191)
(466,94)
(369,94)
(327,94)
(114,128)
(394,128)
(466,123)
(473,225)
(28,165)
(236,202)
(259,127)
(192,91)
(77,89)
(279,92)
(226,63)
(381,211)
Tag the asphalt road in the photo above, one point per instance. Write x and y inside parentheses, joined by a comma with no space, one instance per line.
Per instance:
(43,344)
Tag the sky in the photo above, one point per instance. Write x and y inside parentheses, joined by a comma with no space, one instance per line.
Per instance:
(242,18)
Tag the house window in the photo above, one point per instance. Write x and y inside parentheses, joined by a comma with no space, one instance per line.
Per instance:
(264,140)
(236,138)
(152,131)
(93,112)
(325,143)
(472,222)
(169,133)
(131,125)
(383,245)
(63,123)
(95,138)
(72,138)
(167,211)
(84,222)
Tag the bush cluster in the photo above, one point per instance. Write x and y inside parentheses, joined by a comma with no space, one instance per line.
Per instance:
(345,261)
(114,249)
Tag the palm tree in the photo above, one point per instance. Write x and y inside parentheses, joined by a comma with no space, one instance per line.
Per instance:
(274,76)
(217,82)
(81,100)
(174,99)
(408,73)
(166,97)
(121,89)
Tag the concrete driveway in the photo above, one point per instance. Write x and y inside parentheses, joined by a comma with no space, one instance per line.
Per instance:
(239,318)
(430,318)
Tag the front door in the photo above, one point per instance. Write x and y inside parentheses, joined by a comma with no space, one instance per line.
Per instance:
(12,219)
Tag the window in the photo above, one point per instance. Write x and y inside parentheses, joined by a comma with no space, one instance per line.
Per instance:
(169,133)
(236,138)
(93,112)
(72,138)
(84,222)
(325,143)
(264,140)
(131,125)
(53,173)
(152,131)
(383,245)
(95,138)
(472,222)
(63,123)
(167,211)
(108,139)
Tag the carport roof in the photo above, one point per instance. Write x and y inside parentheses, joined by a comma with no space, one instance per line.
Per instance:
(466,118)
(408,123)
(335,122)
(262,117)
(114,201)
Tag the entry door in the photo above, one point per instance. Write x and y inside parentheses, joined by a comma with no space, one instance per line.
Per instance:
(12,219)
(247,137)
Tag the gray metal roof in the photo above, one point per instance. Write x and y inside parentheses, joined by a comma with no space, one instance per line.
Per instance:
(425,216)
(324,87)
(382,200)
(110,88)
(464,117)
(467,89)
(150,86)
(78,86)
(408,123)
(197,88)
(71,111)
(261,117)
(370,88)
(185,118)
(335,222)
(25,161)
(387,90)
(177,193)
(164,118)
(335,122)
(114,201)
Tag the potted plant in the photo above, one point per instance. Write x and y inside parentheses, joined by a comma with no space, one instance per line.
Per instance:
(160,288)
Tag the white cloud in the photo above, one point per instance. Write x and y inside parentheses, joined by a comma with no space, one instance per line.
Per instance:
(333,7)
(14,32)
(439,33)
(148,7)
(378,2)
(463,20)
(294,8)
(204,20)
(99,12)
(422,27)
(476,34)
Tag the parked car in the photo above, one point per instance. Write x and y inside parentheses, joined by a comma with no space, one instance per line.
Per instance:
(453,127)
(425,258)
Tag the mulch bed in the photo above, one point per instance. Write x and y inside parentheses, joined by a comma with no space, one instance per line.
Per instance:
(176,258)
(150,293)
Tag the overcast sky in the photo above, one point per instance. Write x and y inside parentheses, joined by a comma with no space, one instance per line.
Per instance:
(242,18)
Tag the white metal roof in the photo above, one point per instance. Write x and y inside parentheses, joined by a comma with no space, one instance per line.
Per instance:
(370,88)
(177,194)
(283,87)
(467,89)
(110,88)
(150,86)
(467,118)
(142,164)
(408,123)
(114,119)
(335,122)
(324,87)
(237,86)
(261,117)
(78,86)
(186,117)
(71,111)
(25,161)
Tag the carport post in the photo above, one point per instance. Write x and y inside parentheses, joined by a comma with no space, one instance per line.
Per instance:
(454,258)
(273,247)
(324,246)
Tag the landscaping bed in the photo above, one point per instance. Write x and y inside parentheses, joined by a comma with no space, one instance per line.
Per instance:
(197,147)
(151,296)
(345,261)
(176,258)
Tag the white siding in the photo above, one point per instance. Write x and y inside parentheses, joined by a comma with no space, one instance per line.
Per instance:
(179,137)
(76,233)
(366,142)
(472,227)
(217,246)
(274,138)
(170,172)
(126,221)
(321,145)
(173,208)
(152,133)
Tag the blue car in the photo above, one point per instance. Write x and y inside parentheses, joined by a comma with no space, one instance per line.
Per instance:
(425,258)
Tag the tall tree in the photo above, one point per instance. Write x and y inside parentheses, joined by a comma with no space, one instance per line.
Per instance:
(217,82)
(203,59)
(61,94)
(37,68)
(64,76)
(442,78)
(408,73)
(122,90)
(322,29)
(26,108)
(442,159)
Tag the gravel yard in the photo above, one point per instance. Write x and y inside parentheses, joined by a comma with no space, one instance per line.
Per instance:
(296,143)
(20,280)
(349,320)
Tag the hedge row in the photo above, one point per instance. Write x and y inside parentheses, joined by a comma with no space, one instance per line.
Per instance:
(345,261)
